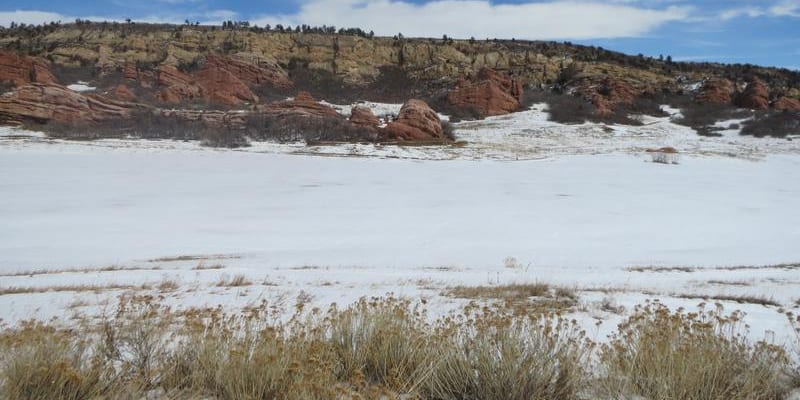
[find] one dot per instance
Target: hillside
(153, 80)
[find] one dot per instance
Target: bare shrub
(39, 362)
(492, 357)
(778, 125)
(657, 354)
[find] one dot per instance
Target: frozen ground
(116, 216)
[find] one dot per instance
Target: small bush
(657, 354)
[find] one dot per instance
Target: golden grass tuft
(237, 280)
(658, 354)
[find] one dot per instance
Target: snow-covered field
(579, 206)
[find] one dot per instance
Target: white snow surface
(81, 86)
(575, 205)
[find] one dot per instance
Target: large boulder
(416, 122)
(715, 91)
(786, 104)
(45, 103)
(21, 70)
(488, 93)
(754, 97)
(363, 116)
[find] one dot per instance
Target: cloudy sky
(734, 31)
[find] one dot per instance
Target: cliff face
(163, 67)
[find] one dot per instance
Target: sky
(764, 32)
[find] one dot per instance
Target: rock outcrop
(21, 70)
(55, 103)
(786, 104)
(303, 105)
(489, 93)
(416, 122)
(178, 86)
(122, 93)
(755, 96)
(715, 91)
(363, 116)
(221, 79)
(610, 94)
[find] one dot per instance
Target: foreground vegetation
(388, 348)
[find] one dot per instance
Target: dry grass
(728, 283)
(197, 257)
(201, 266)
(741, 299)
(110, 268)
(65, 288)
(660, 269)
(168, 285)
(237, 280)
(662, 355)
(785, 266)
(502, 292)
(385, 348)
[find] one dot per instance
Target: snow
(80, 86)
(576, 205)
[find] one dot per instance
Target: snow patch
(81, 86)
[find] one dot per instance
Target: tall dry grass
(663, 355)
(385, 348)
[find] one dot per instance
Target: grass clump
(492, 355)
(657, 354)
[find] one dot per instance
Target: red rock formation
(221, 86)
(363, 116)
(130, 72)
(178, 85)
(122, 93)
(251, 72)
(416, 121)
(754, 97)
(612, 93)
(715, 91)
(302, 105)
(21, 70)
(787, 104)
(43, 103)
(489, 93)
(221, 79)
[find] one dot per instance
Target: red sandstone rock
(416, 121)
(44, 103)
(122, 93)
(489, 93)
(715, 91)
(363, 116)
(21, 70)
(221, 86)
(302, 105)
(787, 104)
(754, 97)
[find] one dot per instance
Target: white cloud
(29, 17)
(212, 17)
(789, 8)
(481, 18)
(786, 8)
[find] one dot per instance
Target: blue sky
(765, 32)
